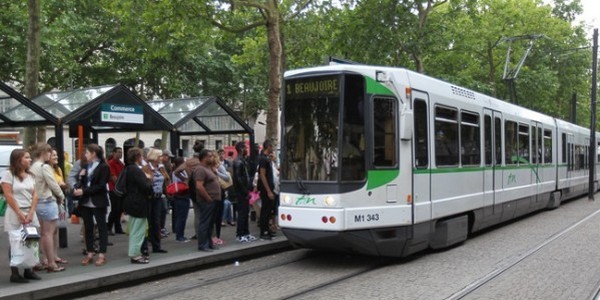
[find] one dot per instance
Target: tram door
(421, 157)
(536, 157)
(492, 172)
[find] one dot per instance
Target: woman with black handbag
(138, 194)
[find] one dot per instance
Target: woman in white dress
(22, 200)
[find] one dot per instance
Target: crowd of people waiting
(140, 187)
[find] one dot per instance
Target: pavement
(118, 270)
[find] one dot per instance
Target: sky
(591, 13)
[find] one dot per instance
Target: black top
(241, 177)
(97, 189)
(139, 190)
(264, 162)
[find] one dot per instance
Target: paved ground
(118, 269)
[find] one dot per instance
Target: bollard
(62, 237)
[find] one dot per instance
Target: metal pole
(593, 145)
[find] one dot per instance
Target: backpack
(121, 184)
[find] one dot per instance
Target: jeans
(116, 209)
(181, 209)
(227, 211)
(154, 210)
(243, 211)
(207, 221)
(266, 211)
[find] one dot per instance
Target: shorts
(47, 210)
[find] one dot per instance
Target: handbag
(30, 232)
(253, 196)
(177, 188)
(224, 183)
(23, 253)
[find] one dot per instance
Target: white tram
(385, 161)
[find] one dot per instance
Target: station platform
(118, 268)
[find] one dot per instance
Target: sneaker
(164, 233)
(251, 238)
(266, 236)
(184, 240)
(242, 239)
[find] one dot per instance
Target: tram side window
(498, 140)
(570, 156)
(564, 148)
(547, 146)
(487, 139)
(353, 150)
(510, 142)
(446, 136)
(421, 139)
(470, 139)
(536, 155)
(384, 132)
(524, 153)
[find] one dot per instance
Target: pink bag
(253, 197)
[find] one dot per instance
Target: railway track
(511, 263)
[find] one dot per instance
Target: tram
(388, 162)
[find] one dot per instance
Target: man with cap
(242, 183)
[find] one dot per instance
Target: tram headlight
(287, 200)
(329, 201)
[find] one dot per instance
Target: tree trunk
(274, 41)
(492, 69)
(33, 62)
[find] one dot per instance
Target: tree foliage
(177, 48)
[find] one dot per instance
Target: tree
(472, 51)
(270, 14)
(33, 65)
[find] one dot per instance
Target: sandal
(139, 260)
(55, 269)
(61, 261)
(87, 260)
(40, 267)
(100, 261)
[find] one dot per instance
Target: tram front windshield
(313, 135)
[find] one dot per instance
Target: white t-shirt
(22, 190)
(22, 193)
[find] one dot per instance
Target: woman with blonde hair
(160, 176)
(60, 179)
(50, 197)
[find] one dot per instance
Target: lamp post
(592, 157)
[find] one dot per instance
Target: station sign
(122, 113)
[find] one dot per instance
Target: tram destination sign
(322, 86)
(121, 113)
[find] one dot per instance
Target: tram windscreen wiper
(299, 182)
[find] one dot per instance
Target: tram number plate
(366, 218)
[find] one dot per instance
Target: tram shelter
(204, 115)
(89, 111)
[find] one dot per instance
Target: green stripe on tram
(376, 88)
(476, 169)
(377, 178)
